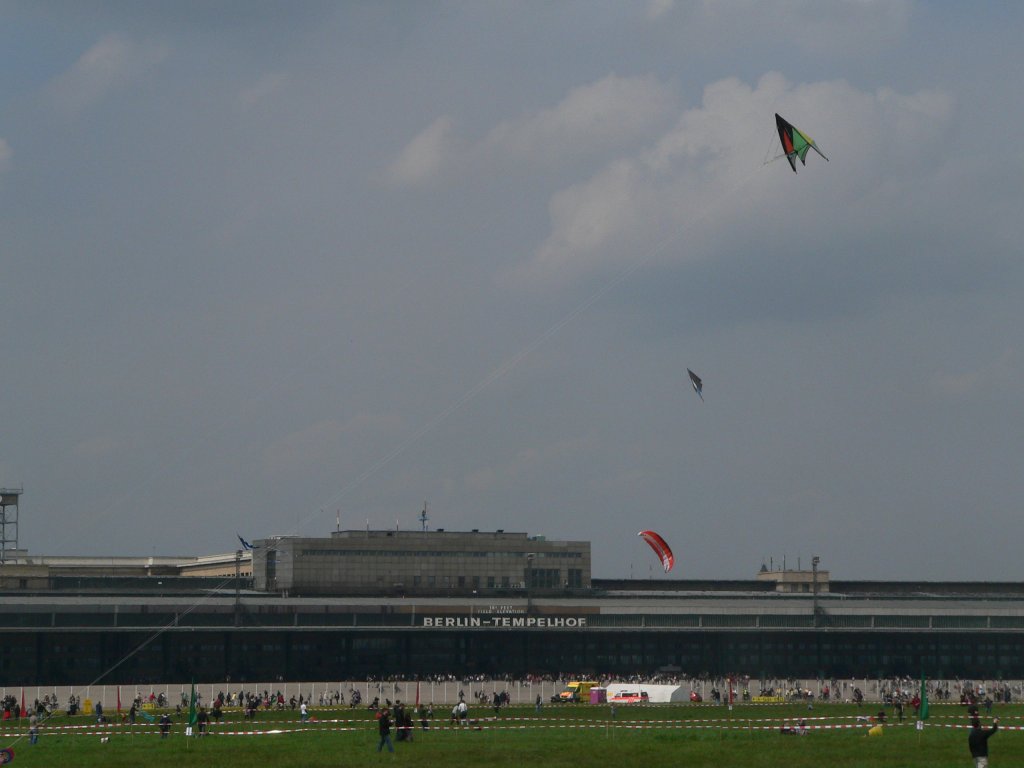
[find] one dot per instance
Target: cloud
(639, 205)
(844, 28)
(112, 63)
(262, 89)
(657, 9)
(96, 448)
(534, 462)
(424, 156)
(611, 112)
(318, 445)
(970, 381)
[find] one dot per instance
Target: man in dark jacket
(977, 740)
(384, 725)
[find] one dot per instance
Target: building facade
(362, 604)
(420, 563)
(140, 632)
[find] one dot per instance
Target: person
(384, 726)
(406, 724)
(977, 741)
(463, 712)
(202, 718)
(33, 729)
(538, 705)
(303, 712)
(165, 725)
(399, 711)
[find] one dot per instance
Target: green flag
(192, 707)
(923, 711)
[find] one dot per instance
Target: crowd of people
(510, 689)
(903, 695)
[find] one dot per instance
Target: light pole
(528, 579)
(814, 577)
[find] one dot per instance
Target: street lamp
(528, 579)
(814, 577)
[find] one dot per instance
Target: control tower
(9, 499)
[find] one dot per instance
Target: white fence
(449, 692)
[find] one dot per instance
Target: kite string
(499, 372)
(106, 507)
(138, 648)
(506, 366)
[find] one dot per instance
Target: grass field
(569, 735)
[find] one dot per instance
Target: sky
(266, 267)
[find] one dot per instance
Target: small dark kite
(698, 385)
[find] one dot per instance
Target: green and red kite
(795, 143)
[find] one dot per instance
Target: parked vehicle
(630, 697)
(575, 692)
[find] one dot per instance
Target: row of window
(430, 553)
(540, 579)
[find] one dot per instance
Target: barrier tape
(476, 726)
(439, 724)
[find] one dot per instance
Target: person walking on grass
(977, 741)
(384, 725)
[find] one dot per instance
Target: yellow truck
(576, 691)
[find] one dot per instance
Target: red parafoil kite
(660, 547)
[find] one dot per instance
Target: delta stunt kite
(698, 385)
(795, 143)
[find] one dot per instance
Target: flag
(417, 694)
(119, 699)
(922, 713)
(192, 709)
(245, 544)
(24, 712)
(146, 716)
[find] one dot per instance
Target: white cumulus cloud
(626, 210)
(112, 63)
(424, 156)
(611, 112)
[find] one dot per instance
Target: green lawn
(567, 735)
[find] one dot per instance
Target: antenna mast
(424, 517)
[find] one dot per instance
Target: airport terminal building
(361, 604)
